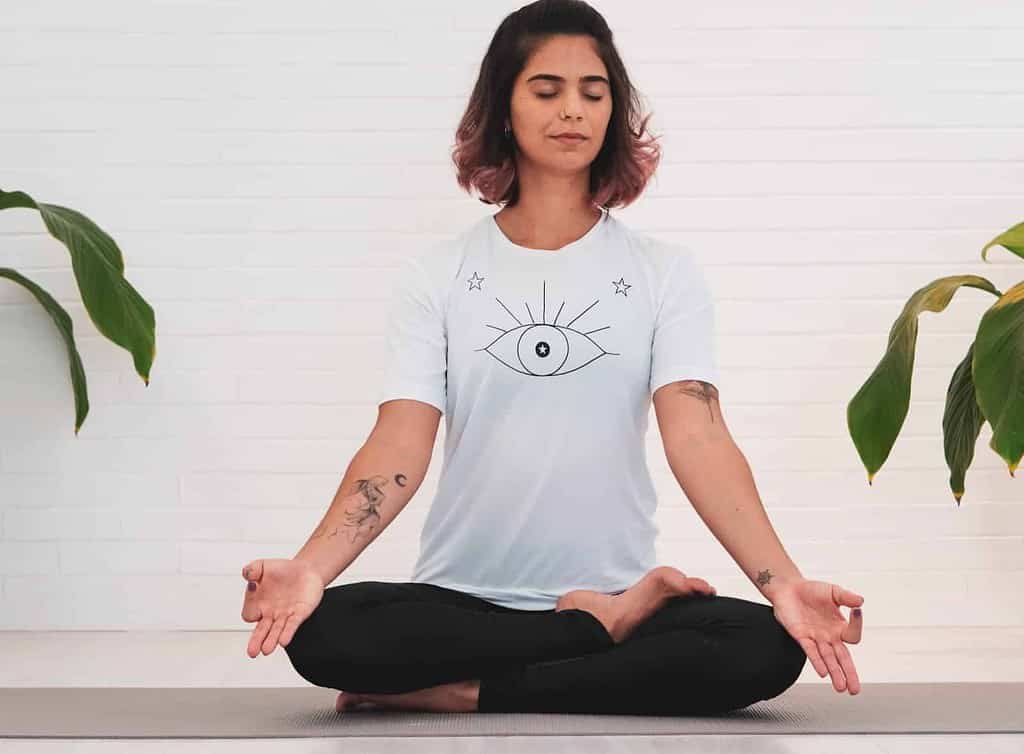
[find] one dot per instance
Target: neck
(552, 210)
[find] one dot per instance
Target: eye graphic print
(542, 349)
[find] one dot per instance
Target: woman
(536, 587)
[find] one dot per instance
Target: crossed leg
(695, 654)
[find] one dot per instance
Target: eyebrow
(561, 80)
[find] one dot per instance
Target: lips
(569, 138)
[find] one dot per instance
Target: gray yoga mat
(141, 712)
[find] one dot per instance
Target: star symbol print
(474, 282)
(625, 286)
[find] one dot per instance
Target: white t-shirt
(544, 364)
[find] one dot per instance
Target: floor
(218, 658)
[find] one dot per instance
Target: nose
(572, 106)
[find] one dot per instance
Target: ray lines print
(542, 349)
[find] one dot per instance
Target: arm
(380, 480)
(716, 478)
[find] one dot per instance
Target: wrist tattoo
(763, 577)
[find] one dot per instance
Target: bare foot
(621, 613)
(460, 696)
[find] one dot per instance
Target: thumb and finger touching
(253, 571)
(253, 608)
(853, 630)
(280, 605)
(821, 652)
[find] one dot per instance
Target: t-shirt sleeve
(416, 345)
(683, 346)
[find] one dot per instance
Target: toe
(346, 700)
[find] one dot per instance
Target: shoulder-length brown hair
(484, 155)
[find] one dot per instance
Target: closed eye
(588, 96)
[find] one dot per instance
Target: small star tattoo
(474, 282)
(763, 577)
(625, 287)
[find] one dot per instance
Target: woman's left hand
(809, 611)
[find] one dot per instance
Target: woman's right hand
(281, 593)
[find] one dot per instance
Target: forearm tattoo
(763, 577)
(365, 516)
(702, 391)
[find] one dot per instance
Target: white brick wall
(265, 167)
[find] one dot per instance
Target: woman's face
(563, 76)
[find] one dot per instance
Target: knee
(307, 652)
(320, 650)
(334, 654)
(785, 660)
(327, 666)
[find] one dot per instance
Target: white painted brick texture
(265, 169)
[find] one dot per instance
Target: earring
(508, 131)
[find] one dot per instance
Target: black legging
(697, 654)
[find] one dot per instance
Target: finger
(253, 571)
(852, 632)
(298, 615)
(291, 625)
(702, 584)
(250, 610)
(275, 631)
(843, 596)
(838, 677)
(258, 635)
(811, 650)
(846, 661)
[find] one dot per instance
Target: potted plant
(986, 386)
(115, 307)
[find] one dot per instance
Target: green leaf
(999, 374)
(1011, 240)
(115, 307)
(63, 321)
(876, 413)
(961, 423)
